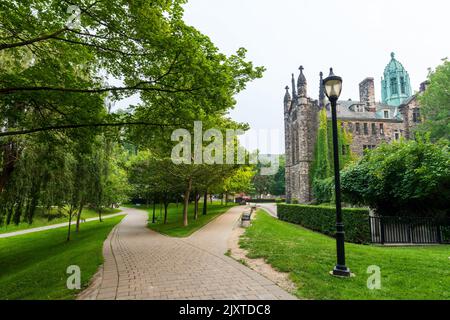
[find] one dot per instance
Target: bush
(324, 190)
(406, 178)
(323, 219)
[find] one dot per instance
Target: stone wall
(385, 131)
(301, 126)
(410, 121)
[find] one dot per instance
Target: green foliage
(273, 184)
(324, 190)
(405, 178)
(323, 165)
(56, 77)
(323, 220)
(435, 104)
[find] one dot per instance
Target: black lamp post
(333, 89)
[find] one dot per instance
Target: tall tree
(435, 104)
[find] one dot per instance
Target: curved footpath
(142, 264)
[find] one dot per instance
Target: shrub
(324, 190)
(323, 219)
(406, 178)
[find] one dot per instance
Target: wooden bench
(246, 218)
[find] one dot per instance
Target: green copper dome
(395, 84)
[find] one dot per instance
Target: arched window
(394, 86)
(402, 85)
(416, 115)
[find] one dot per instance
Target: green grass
(411, 273)
(40, 221)
(174, 226)
(33, 266)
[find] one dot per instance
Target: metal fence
(409, 230)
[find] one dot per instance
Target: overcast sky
(355, 37)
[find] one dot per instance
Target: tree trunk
(221, 199)
(196, 205)
(154, 211)
(80, 210)
(70, 224)
(205, 203)
(187, 193)
(10, 158)
(211, 198)
(166, 206)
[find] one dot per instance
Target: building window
(402, 85)
(350, 127)
(386, 114)
(374, 129)
(416, 115)
(358, 128)
(382, 129)
(366, 129)
(394, 86)
(369, 147)
(397, 135)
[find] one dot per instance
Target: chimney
(367, 94)
(424, 86)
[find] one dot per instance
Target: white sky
(355, 37)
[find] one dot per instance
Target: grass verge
(33, 266)
(407, 273)
(40, 221)
(174, 226)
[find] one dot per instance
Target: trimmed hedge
(262, 200)
(323, 219)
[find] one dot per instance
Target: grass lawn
(33, 266)
(406, 273)
(40, 221)
(174, 226)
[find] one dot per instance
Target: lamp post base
(341, 272)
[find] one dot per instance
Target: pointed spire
(294, 91)
(301, 77)
(302, 85)
(321, 92)
(287, 96)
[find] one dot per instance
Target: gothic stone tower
(301, 121)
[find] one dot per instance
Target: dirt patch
(258, 265)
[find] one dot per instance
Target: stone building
(369, 122)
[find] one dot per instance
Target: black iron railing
(409, 230)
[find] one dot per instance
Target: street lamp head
(333, 86)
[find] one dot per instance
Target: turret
(322, 102)
(287, 100)
(302, 84)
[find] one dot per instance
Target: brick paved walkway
(142, 264)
